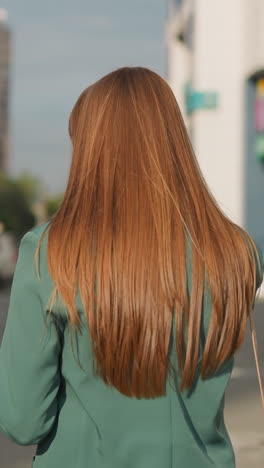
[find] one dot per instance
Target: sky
(58, 49)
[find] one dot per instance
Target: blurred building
(4, 88)
(215, 65)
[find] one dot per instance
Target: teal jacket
(76, 420)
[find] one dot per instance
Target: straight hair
(135, 199)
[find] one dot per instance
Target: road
(244, 415)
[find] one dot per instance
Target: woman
(120, 338)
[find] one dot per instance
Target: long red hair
(135, 200)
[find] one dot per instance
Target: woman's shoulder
(40, 228)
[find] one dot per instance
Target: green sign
(199, 100)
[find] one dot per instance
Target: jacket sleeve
(29, 356)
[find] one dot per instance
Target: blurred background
(212, 55)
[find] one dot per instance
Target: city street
(244, 415)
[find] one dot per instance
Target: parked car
(8, 256)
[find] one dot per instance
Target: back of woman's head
(140, 224)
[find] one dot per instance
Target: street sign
(199, 99)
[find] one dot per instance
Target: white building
(217, 47)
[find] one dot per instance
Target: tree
(15, 208)
(53, 203)
(31, 186)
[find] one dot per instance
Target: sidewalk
(245, 424)
(244, 414)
